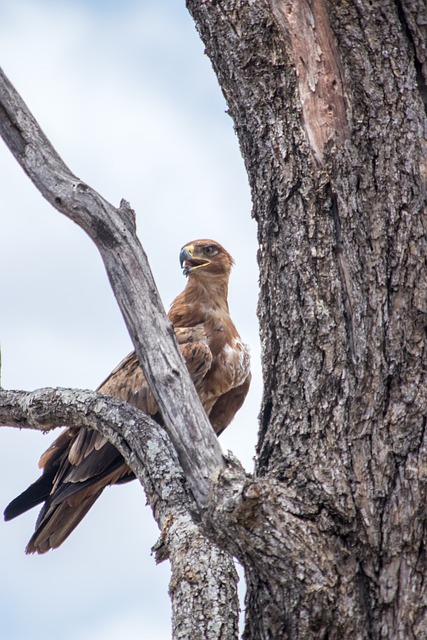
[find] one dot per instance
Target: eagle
(80, 463)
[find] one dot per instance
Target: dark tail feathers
(36, 493)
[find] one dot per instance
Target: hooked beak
(189, 263)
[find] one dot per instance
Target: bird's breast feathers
(235, 360)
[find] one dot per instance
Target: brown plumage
(81, 463)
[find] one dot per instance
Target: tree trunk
(327, 101)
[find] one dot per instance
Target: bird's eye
(210, 250)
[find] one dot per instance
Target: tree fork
(331, 528)
(148, 451)
(113, 232)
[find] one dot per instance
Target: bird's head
(205, 258)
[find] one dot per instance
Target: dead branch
(145, 446)
(114, 233)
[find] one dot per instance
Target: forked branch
(113, 231)
(148, 452)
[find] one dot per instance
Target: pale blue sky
(127, 96)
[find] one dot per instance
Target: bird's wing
(128, 383)
(77, 478)
(227, 405)
(81, 463)
(87, 453)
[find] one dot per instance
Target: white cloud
(125, 94)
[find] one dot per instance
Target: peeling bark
(341, 213)
(316, 61)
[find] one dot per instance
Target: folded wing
(81, 463)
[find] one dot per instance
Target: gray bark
(114, 233)
(327, 100)
(203, 584)
(195, 602)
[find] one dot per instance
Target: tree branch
(113, 231)
(146, 448)
(124, 426)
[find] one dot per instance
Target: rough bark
(203, 584)
(327, 101)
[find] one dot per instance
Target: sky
(126, 95)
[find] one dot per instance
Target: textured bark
(203, 585)
(327, 101)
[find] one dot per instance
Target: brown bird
(81, 463)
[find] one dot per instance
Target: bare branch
(243, 511)
(113, 231)
(135, 435)
(145, 446)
